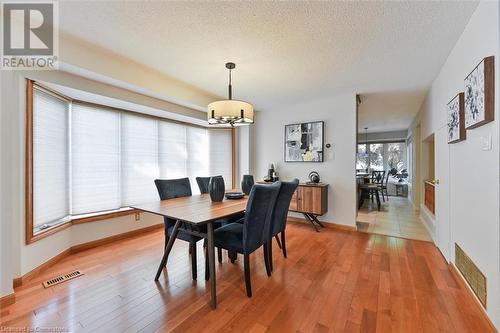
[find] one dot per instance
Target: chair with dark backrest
(378, 178)
(203, 184)
(177, 188)
(255, 231)
(383, 187)
(278, 224)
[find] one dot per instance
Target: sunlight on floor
(397, 217)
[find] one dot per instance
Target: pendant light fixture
(230, 111)
(366, 142)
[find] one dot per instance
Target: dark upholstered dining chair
(203, 184)
(255, 231)
(278, 223)
(176, 188)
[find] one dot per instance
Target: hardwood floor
(332, 281)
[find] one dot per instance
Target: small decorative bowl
(234, 195)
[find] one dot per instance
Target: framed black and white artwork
(456, 121)
(479, 94)
(304, 142)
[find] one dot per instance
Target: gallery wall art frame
(299, 138)
(456, 118)
(480, 94)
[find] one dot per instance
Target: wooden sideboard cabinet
(312, 201)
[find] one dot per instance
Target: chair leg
(219, 254)
(194, 261)
(265, 247)
(232, 256)
(248, 283)
(283, 243)
(277, 240)
(270, 255)
(378, 200)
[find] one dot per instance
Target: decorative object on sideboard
(313, 177)
(272, 174)
(216, 188)
(456, 121)
(304, 142)
(480, 94)
(247, 183)
(230, 111)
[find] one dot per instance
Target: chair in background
(254, 232)
(203, 184)
(383, 187)
(378, 179)
(177, 188)
(278, 223)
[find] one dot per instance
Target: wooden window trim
(31, 237)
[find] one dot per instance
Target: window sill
(79, 220)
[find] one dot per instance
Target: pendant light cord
(230, 86)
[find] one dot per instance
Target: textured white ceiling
(388, 111)
(286, 52)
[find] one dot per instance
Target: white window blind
(139, 159)
(220, 155)
(50, 158)
(172, 153)
(89, 158)
(95, 165)
(197, 155)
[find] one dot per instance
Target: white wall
(338, 169)
(5, 227)
(474, 173)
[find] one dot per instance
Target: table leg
(315, 218)
(308, 218)
(170, 243)
(211, 264)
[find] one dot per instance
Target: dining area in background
(235, 221)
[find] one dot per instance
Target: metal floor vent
(474, 277)
(61, 278)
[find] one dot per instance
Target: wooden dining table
(195, 211)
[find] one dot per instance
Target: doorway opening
(387, 172)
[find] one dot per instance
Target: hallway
(397, 217)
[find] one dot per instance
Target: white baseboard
(428, 221)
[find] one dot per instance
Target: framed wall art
(480, 94)
(456, 121)
(304, 142)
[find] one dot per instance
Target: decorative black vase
(216, 188)
(247, 183)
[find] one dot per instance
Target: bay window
(90, 159)
(381, 156)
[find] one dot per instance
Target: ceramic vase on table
(247, 183)
(216, 188)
